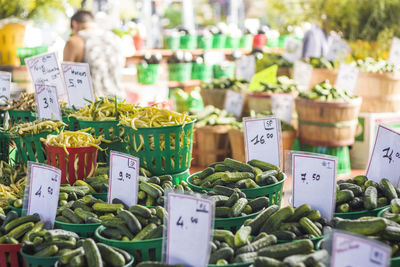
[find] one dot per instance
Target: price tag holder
(214, 57)
(234, 102)
(189, 230)
(124, 176)
(47, 102)
(394, 55)
(316, 173)
(282, 106)
(78, 83)
(246, 67)
(293, 49)
(302, 74)
(5, 84)
(385, 157)
(338, 50)
(347, 78)
(358, 251)
(262, 139)
(44, 69)
(41, 192)
(267, 76)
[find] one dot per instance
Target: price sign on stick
(282, 106)
(347, 78)
(189, 230)
(357, 251)
(5, 83)
(78, 83)
(293, 49)
(234, 102)
(246, 67)
(315, 173)
(124, 174)
(394, 55)
(385, 157)
(302, 74)
(338, 49)
(262, 139)
(47, 102)
(44, 187)
(44, 69)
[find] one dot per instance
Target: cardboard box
(361, 150)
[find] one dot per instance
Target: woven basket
(285, 71)
(380, 92)
(213, 97)
(324, 123)
(320, 75)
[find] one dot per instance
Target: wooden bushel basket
(216, 98)
(320, 75)
(324, 123)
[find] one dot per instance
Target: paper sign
(44, 188)
(394, 55)
(302, 74)
(44, 70)
(385, 158)
(282, 106)
(293, 49)
(124, 174)
(214, 57)
(47, 102)
(338, 50)
(358, 251)
(267, 76)
(78, 83)
(262, 139)
(314, 173)
(245, 67)
(5, 84)
(189, 230)
(347, 78)
(234, 102)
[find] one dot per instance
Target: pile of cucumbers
(233, 202)
(137, 223)
(211, 115)
(15, 229)
(89, 253)
(227, 83)
(235, 174)
(262, 250)
(324, 91)
(361, 194)
(96, 184)
(284, 85)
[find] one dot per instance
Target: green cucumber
(281, 251)
(92, 253)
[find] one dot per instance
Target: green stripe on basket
(341, 124)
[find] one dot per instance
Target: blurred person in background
(316, 39)
(101, 49)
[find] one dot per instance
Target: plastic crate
(25, 52)
(83, 230)
(9, 255)
(21, 116)
(30, 148)
(148, 74)
(180, 72)
(233, 224)
(34, 261)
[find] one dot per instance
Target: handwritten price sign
(47, 102)
(394, 56)
(347, 78)
(246, 67)
(385, 158)
(189, 229)
(314, 173)
(302, 74)
(293, 49)
(124, 173)
(282, 106)
(5, 83)
(234, 102)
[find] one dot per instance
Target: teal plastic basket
(202, 72)
(21, 116)
(358, 214)
(204, 42)
(218, 41)
(226, 70)
(232, 42)
(246, 41)
(83, 230)
(4, 146)
(30, 148)
(171, 42)
(148, 74)
(188, 42)
(233, 224)
(179, 72)
(34, 261)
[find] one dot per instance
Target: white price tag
(234, 102)
(302, 74)
(282, 106)
(44, 69)
(358, 251)
(262, 139)
(315, 173)
(47, 102)
(214, 57)
(78, 83)
(44, 188)
(385, 157)
(338, 50)
(5, 84)
(347, 78)
(293, 49)
(246, 67)
(189, 230)
(394, 55)
(124, 175)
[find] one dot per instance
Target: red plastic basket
(9, 255)
(87, 160)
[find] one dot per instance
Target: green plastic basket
(358, 214)
(17, 210)
(180, 72)
(168, 159)
(148, 74)
(30, 148)
(232, 42)
(144, 250)
(224, 70)
(102, 196)
(83, 230)
(233, 224)
(4, 146)
(129, 264)
(204, 42)
(395, 262)
(72, 123)
(241, 264)
(182, 176)
(2, 117)
(21, 116)
(188, 41)
(202, 72)
(273, 191)
(246, 41)
(171, 42)
(24, 52)
(34, 261)
(316, 241)
(218, 41)
(110, 131)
